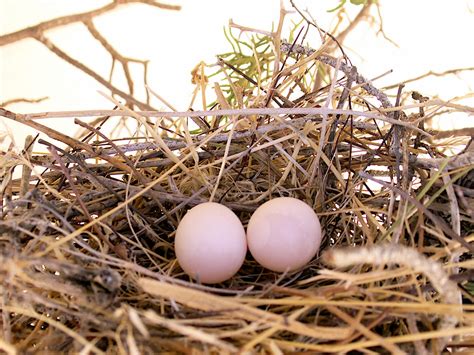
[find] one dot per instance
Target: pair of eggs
(283, 234)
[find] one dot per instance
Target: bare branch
(15, 101)
(34, 31)
(63, 138)
(455, 71)
(116, 56)
(326, 59)
(53, 48)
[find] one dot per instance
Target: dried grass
(87, 262)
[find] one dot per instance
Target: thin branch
(73, 143)
(158, 195)
(347, 69)
(26, 169)
(116, 56)
(439, 223)
(342, 100)
(72, 184)
(363, 13)
(20, 100)
(312, 23)
(465, 131)
(396, 138)
(174, 144)
(36, 30)
(315, 111)
(454, 162)
(381, 30)
(53, 48)
(431, 73)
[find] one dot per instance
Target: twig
(63, 55)
(396, 137)
(419, 346)
(312, 23)
(143, 180)
(73, 143)
(365, 331)
(174, 144)
(38, 32)
(381, 30)
(397, 254)
(74, 188)
(15, 101)
(326, 59)
(431, 73)
(457, 161)
(249, 111)
(33, 31)
(116, 56)
(276, 93)
(26, 173)
(440, 224)
(317, 168)
(340, 105)
(364, 12)
(228, 112)
(440, 134)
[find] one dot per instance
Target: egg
(284, 234)
(210, 243)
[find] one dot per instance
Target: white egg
(210, 243)
(284, 234)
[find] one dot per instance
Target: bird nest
(86, 234)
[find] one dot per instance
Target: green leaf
(341, 4)
(358, 2)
